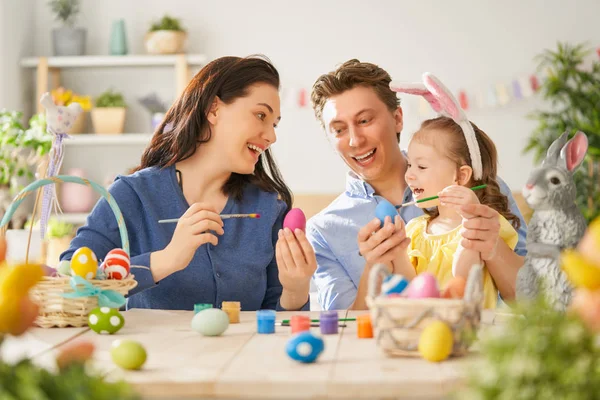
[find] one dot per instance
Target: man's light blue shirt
(333, 234)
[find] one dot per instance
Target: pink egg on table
(423, 286)
(116, 264)
(295, 219)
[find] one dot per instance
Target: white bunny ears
(443, 102)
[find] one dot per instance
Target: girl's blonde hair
(456, 149)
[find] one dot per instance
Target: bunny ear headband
(443, 102)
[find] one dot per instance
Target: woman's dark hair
(185, 125)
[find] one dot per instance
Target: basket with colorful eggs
(419, 319)
(67, 295)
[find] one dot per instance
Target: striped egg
(116, 264)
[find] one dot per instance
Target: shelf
(114, 61)
(71, 218)
(85, 139)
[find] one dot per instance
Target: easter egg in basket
(423, 286)
(116, 265)
(295, 219)
(84, 263)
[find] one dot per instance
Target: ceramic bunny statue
(59, 120)
(556, 223)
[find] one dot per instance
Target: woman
(210, 156)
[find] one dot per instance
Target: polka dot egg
(116, 264)
(105, 320)
(84, 263)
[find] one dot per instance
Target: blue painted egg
(304, 347)
(385, 208)
(393, 284)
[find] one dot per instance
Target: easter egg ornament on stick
(59, 121)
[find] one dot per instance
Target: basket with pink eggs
(419, 318)
(66, 296)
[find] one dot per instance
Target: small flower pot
(108, 120)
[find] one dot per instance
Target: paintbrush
(223, 216)
(287, 321)
(433, 198)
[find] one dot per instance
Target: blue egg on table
(383, 209)
(305, 347)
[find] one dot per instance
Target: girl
(210, 156)
(440, 163)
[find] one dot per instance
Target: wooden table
(244, 364)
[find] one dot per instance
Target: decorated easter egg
(128, 354)
(210, 322)
(105, 320)
(84, 263)
(423, 286)
(454, 288)
(304, 347)
(393, 284)
(64, 267)
(116, 264)
(436, 342)
(384, 209)
(295, 219)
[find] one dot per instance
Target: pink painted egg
(295, 219)
(423, 286)
(116, 264)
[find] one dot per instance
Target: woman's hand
(296, 261)
(197, 226)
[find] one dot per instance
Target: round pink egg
(116, 264)
(295, 219)
(423, 286)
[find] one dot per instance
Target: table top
(244, 364)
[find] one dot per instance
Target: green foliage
(573, 91)
(543, 354)
(58, 229)
(110, 98)
(65, 10)
(21, 148)
(167, 23)
(25, 381)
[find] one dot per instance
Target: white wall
(465, 43)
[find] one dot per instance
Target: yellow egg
(436, 342)
(579, 270)
(84, 263)
(589, 246)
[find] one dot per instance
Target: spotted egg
(384, 209)
(116, 264)
(295, 219)
(105, 320)
(84, 263)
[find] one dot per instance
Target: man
(362, 117)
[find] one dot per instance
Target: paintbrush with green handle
(433, 198)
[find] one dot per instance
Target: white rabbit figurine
(556, 223)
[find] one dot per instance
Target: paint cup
(365, 328)
(232, 308)
(300, 323)
(265, 321)
(329, 322)
(201, 306)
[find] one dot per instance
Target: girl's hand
(457, 196)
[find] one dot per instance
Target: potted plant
(108, 115)
(59, 236)
(166, 36)
(573, 91)
(20, 150)
(64, 97)
(67, 40)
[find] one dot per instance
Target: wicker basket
(398, 322)
(56, 310)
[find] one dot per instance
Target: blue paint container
(265, 321)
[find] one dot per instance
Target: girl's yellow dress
(434, 253)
